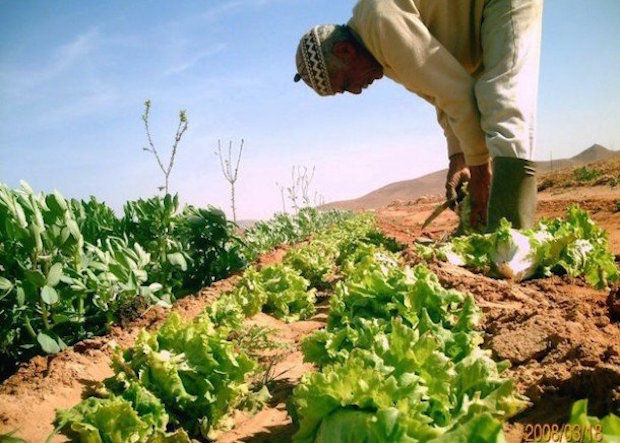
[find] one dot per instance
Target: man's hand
(457, 174)
(479, 193)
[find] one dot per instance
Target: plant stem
(29, 328)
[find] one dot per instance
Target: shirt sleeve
(421, 64)
(454, 147)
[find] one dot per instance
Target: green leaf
(21, 296)
(20, 215)
(609, 425)
(5, 285)
(573, 245)
(36, 231)
(107, 420)
(48, 344)
(35, 277)
(177, 259)
(26, 187)
(481, 429)
(60, 200)
(60, 318)
(155, 287)
(74, 229)
(54, 274)
(49, 295)
(10, 438)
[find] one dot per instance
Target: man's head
(331, 60)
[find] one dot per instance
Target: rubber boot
(513, 193)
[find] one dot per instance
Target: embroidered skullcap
(311, 65)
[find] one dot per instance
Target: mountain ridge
(434, 182)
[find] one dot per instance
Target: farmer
(476, 61)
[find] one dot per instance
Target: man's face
(355, 70)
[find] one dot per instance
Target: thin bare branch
(231, 175)
(181, 129)
(145, 119)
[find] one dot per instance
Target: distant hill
(594, 153)
(433, 184)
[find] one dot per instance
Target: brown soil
(558, 334)
(273, 423)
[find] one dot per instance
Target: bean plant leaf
(54, 274)
(5, 285)
(48, 344)
(49, 295)
(35, 277)
(177, 259)
(21, 296)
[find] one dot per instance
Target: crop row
(400, 358)
(400, 361)
(187, 377)
(69, 269)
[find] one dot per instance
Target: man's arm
(454, 147)
(457, 169)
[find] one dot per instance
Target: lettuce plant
(575, 246)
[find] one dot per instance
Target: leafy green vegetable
(11, 438)
(72, 268)
(96, 220)
(57, 288)
(400, 361)
(594, 429)
(573, 245)
(192, 368)
(288, 296)
(135, 416)
(287, 229)
(314, 262)
(277, 289)
(210, 240)
(352, 401)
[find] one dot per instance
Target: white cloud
(231, 6)
(192, 60)
(19, 81)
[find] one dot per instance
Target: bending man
(476, 61)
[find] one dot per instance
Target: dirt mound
(556, 333)
(606, 172)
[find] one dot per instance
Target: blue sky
(74, 75)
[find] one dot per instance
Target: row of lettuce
(573, 246)
(69, 269)
(398, 361)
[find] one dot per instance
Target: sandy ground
(556, 332)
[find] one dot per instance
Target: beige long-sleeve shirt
(432, 48)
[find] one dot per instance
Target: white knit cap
(311, 64)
